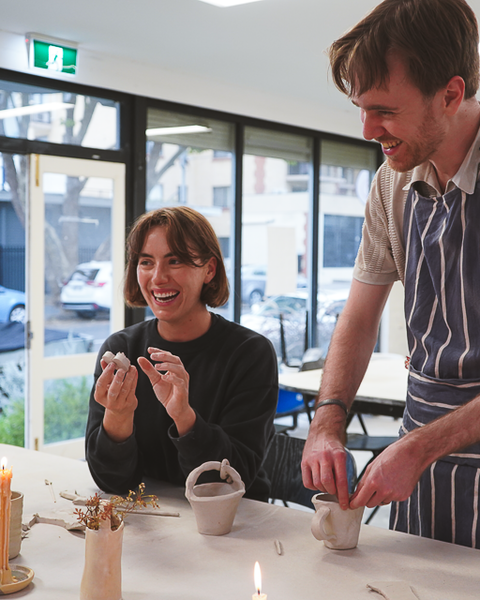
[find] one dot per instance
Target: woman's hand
(170, 382)
(115, 391)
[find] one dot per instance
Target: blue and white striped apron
(442, 309)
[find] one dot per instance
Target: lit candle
(5, 503)
(257, 576)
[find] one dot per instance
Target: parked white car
(89, 289)
(12, 306)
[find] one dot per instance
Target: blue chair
(291, 404)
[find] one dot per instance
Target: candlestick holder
(16, 579)
(13, 578)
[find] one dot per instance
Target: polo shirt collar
(465, 178)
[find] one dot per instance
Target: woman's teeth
(165, 297)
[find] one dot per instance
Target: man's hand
(324, 457)
(392, 476)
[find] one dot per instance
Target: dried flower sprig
(115, 508)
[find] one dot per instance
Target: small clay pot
(16, 513)
(215, 504)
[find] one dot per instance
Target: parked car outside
(265, 319)
(88, 292)
(254, 278)
(12, 305)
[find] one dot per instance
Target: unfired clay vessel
(102, 574)
(339, 529)
(215, 504)
(16, 512)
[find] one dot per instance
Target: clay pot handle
(226, 472)
(318, 524)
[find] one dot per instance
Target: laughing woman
(206, 388)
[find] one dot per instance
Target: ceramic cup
(16, 513)
(339, 529)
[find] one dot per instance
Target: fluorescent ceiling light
(175, 130)
(33, 109)
(227, 3)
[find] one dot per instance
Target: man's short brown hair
(437, 39)
(192, 240)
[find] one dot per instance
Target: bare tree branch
(154, 175)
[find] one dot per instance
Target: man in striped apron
(412, 68)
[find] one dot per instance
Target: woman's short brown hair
(190, 237)
(437, 39)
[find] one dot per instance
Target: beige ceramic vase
(102, 574)
(215, 504)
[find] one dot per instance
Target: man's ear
(453, 94)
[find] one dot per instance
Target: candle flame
(4, 463)
(257, 575)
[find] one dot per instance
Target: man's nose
(372, 126)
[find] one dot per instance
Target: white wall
(143, 79)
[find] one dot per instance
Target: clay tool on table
(49, 483)
(393, 590)
(278, 547)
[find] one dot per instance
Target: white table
(382, 391)
(166, 558)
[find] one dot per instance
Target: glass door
(13, 192)
(76, 247)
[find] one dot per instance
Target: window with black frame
(346, 172)
(275, 228)
(190, 162)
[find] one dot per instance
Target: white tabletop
(385, 381)
(165, 557)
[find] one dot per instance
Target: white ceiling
(276, 47)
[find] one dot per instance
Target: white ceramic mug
(339, 529)
(16, 513)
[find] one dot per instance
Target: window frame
(132, 152)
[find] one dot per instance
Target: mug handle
(318, 525)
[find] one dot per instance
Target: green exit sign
(52, 55)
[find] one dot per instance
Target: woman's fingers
(116, 388)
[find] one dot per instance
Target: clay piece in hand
(120, 360)
(108, 357)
